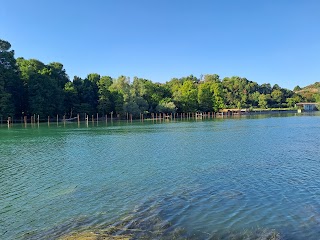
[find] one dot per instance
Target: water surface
(238, 178)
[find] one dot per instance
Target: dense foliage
(30, 87)
(311, 93)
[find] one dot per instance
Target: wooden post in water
(106, 118)
(78, 117)
(127, 116)
(25, 121)
(9, 121)
(97, 118)
(131, 117)
(92, 119)
(57, 119)
(111, 116)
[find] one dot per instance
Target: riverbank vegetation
(30, 87)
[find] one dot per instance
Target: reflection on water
(243, 178)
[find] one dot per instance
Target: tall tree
(205, 96)
(105, 103)
(11, 88)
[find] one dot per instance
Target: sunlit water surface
(248, 177)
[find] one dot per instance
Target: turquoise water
(240, 178)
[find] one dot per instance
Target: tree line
(30, 87)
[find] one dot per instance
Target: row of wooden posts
(95, 118)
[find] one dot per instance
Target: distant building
(307, 106)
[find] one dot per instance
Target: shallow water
(240, 178)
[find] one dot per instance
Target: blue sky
(270, 41)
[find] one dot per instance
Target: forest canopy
(28, 86)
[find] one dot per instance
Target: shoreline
(225, 113)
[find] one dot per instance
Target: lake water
(236, 178)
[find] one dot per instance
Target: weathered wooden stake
(78, 117)
(97, 117)
(131, 117)
(57, 119)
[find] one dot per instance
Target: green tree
(263, 101)
(277, 96)
(4, 46)
(189, 96)
(105, 104)
(218, 96)
(297, 88)
(205, 96)
(11, 87)
(71, 100)
(211, 78)
(166, 105)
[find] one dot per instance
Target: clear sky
(267, 41)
